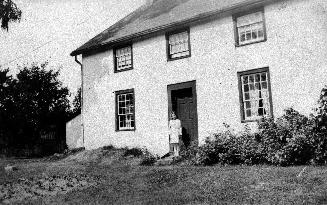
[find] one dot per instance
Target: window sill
(118, 71)
(172, 59)
(126, 130)
(246, 44)
(245, 121)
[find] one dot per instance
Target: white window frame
(250, 26)
(255, 94)
(125, 110)
(123, 58)
(178, 44)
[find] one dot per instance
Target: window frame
(117, 93)
(240, 14)
(240, 88)
(115, 59)
(169, 58)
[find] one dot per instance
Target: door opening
(182, 100)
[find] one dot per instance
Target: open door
(182, 100)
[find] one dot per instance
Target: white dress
(175, 129)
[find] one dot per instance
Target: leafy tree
(77, 102)
(9, 12)
(36, 101)
(5, 104)
(321, 110)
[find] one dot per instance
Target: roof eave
(195, 19)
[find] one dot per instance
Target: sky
(51, 29)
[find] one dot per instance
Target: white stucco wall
(74, 137)
(295, 52)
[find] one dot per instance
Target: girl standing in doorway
(175, 130)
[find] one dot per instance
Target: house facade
(212, 62)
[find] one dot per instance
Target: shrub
(221, 148)
(148, 159)
(292, 139)
(136, 152)
(288, 140)
(189, 154)
(319, 141)
(108, 147)
(297, 151)
(252, 149)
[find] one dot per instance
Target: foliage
(77, 102)
(321, 109)
(148, 158)
(9, 12)
(292, 139)
(136, 152)
(108, 147)
(34, 102)
(190, 153)
(288, 140)
(219, 149)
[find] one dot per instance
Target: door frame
(179, 86)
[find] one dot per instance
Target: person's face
(173, 116)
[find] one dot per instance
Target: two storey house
(210, 61)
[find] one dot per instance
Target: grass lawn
(121, 181)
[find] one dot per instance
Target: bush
(189, 154)
(292, 139)
(148, 159)
(108, 147)
(288, 140)
(319, 141)
(136, 152)
(220, 148)
(252, 149)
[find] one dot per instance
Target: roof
(159, 16)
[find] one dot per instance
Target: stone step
(166, 161)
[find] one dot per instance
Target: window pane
(264, 85)
(125, 111)
(251, 77)
(247, 104)
(247, 96)
(257, 86)
(257, 78)
(255, 95)
(248, 113)
(248, 35)
(250, 28)
(245, 79)
(178, 45)
(260, 33)
(123, 57)
(254, 35)
(246, 88)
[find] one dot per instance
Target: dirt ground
(106, 177)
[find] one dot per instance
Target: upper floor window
(123, 58)
(249, 28)
(125, 113)
(178, 45)
(255, 94)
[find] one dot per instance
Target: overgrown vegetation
(292, 139)
(148, 158)
(135, 152)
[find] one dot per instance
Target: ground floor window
(255, 94)
(125, 113)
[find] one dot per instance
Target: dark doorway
(182, 100)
